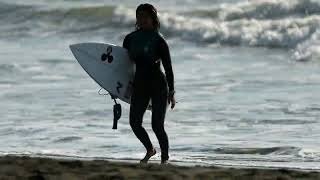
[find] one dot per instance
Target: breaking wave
(20, 20)
(289, 24)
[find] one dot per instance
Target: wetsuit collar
(148, 30)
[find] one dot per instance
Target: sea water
(246, 77)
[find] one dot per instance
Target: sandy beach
(39, 168)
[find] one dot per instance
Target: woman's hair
(152, 11)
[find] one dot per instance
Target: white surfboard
(109, 65)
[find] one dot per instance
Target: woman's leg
(159, 108)
(139, 104)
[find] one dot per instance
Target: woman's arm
(126, 43)
(167, 65)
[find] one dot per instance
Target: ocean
(246, 75)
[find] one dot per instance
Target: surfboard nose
(74, 47)
(82, 47)
(77, 48)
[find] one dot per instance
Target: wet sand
(39, 168)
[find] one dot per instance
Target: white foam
(275, 33)
(268, 9)
(310, 49)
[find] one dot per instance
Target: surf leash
(117, 111)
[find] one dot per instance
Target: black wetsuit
(147, 48)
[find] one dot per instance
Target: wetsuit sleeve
(126, 42)
(166, 62)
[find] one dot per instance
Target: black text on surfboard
(107, 56)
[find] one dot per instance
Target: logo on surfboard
(107, 56)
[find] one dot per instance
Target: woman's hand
(172, 100)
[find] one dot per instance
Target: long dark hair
(152, 11)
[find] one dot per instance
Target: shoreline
(157, 161)
(27, 167)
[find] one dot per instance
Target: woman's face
(144, 20)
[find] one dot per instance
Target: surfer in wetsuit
(147, 48)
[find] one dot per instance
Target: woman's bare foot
(163, 162)
(164, 159)
(148, 156)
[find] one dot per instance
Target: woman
(147, 48)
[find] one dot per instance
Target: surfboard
(109, 65)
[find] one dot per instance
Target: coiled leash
(116, 110)
(116, 113)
